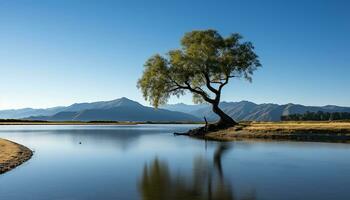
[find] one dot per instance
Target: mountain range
(124, 109)
(249, 111)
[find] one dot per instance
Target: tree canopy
(203, 65)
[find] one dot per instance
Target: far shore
(334, 131)
(66, 123)
(12, 155)
(295, 130)
(33, 122)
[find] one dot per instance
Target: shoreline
(328, 131)
(88, 123)
(12, 155)
(64, 123)
(294, 131)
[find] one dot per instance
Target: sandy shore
(303, 131)
(12, 155)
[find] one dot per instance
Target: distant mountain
(122, 109)
(27, 112)
(102, 104)
(245, 110)
(181, 107)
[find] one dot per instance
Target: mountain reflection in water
(206, 183)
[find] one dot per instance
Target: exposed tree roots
(201, 131)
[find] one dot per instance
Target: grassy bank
(12, 155)
(301, 130)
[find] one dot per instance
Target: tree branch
(216, 82)
(222, 79)
(174, 89)
(224, 83)
(197, 90)
(207, 80)
(202, 93)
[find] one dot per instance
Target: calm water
(148, 162)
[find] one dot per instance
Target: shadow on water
(206, 182)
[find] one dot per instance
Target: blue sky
(62, 52)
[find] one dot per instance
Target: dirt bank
(304, 131)
(12, 155)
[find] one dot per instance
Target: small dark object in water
(181, 133)
(79, 142)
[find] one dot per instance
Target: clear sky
(61, 52)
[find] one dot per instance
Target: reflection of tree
(222, 148)
(157, 182)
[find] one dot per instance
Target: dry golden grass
(313, 131)
(297, 126)
(12, 155)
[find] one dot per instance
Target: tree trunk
(225, 120)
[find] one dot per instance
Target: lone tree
(203, 66)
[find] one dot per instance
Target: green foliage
(317, 116)
(154, 82)
(203, 66)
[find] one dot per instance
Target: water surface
(148, 162)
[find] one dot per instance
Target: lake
(148, 162)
